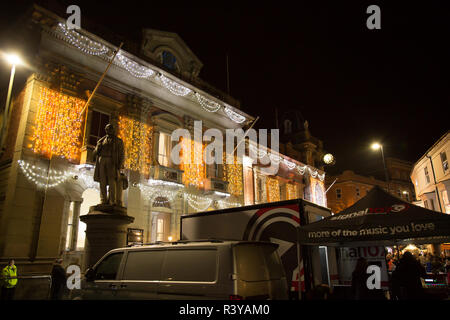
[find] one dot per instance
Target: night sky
(352, 84)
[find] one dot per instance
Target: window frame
(91, 135)
(427, 175)
(444, 162)
(119, 268)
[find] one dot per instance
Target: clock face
(328, 158)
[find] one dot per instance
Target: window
(165, 145)
(445, 201)
(425, 203)
(358, 194)
(190, 265)
(160, 229)
(169, 60)
(338, 193)
(427, 177)
(287, 126)
(444, 161)
(98, 123)
(70, 235)
(108, 268)
(432, 204)
(143, 265)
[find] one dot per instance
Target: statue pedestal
(106, 229)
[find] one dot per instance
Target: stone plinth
(106, 229)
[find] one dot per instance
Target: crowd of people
(407, 275)
(431, 262)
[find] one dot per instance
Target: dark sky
(352, 84)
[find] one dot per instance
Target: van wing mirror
(90, 275)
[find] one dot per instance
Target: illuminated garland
(289, 164)
(137, 70)
(198, 203)
(83, 43)
(208, 105)
(151, 193)
(138, 141)
(301, 169)
(236, 117)
(58, 125)
(259, 153)
(86, 45)
(34, 174)
(174, 87)
(224, 204)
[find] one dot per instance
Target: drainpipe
(435, 183)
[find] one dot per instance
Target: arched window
(169, 60)
(287, 126)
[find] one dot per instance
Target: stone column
(106, 229)
(75, 222)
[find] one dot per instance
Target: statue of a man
(109, 159)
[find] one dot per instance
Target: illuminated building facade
(47, 168)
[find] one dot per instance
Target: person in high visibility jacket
(9, 279)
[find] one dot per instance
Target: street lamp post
(376, 146)
(13, 60)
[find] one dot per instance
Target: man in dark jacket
(406, 278)
(59, 279)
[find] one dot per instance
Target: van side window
(190, 265)
(143, 265)
(108, 268)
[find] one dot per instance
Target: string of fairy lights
(260, 154)
(138, 70)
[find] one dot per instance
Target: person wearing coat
(407, 276)
(59, 280)
(109, 158)
(359, 280)
(9, 275)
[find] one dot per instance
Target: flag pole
(86, 105)
(246, 134)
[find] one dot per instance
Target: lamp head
(13, 59)
(375, 146)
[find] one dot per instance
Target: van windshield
(257, 262)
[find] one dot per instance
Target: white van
(188, 270)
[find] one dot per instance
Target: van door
(106, 282)
(141, 275)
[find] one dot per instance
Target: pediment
(168, 49)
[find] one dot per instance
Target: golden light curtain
(58, 125)
(232, 173)
(291, 191)
(138, 143)
(194, 173)
(273, 189)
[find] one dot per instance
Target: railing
(31, 287)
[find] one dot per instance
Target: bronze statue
(109, 159)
